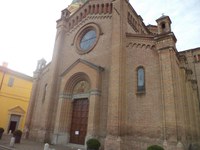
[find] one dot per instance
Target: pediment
(17, 109)
(84, 62)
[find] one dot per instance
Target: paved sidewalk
(31, 145)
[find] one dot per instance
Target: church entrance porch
(77, 115)
(79, 121)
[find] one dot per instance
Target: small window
(44, 94)
(163, 25)
(140, 79)
(11, 81)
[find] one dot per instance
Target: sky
(28, 27)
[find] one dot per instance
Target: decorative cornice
(165, 36)
(82, 95)
(65, 96)
(168, 48)
(89, 17)
(90, 10)
(140, 45)
(140, 40)
(69, 96)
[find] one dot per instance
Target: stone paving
(32, 145)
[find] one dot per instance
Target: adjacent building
(114, 78)
(15, 89)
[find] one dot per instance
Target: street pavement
(33, 145)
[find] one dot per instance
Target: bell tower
(164, 24)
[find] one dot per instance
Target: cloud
(28, 28)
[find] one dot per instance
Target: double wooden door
(79, 121)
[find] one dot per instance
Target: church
(117, 80)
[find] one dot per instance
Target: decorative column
(63, 120)
(168, 99)
(93, 115)
(54, 80)
(117, 97)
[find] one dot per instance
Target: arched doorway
(80, 109)
(79, 121)
(15, 119)
(14, 123)
(77, 115)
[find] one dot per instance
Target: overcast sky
(28, 27)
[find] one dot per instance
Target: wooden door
(79, 121)
(12, 126)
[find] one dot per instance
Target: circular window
(87, 40)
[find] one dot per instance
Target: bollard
(10, 132)
(46, 146)
(12, 142)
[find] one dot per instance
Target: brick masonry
(166, 113)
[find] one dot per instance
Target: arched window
(140, 79)
(163, 27)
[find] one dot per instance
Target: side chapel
(114, 78)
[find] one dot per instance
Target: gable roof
(98, 68)
(17, 110)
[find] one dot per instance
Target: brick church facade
(114, 78)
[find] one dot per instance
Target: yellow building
(15, 89)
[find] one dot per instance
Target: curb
(6, 148)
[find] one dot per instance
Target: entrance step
(76, 146)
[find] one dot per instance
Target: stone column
(117, 98)
(54, 80)
(93, 115)
(62, 123)
(168, 99)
